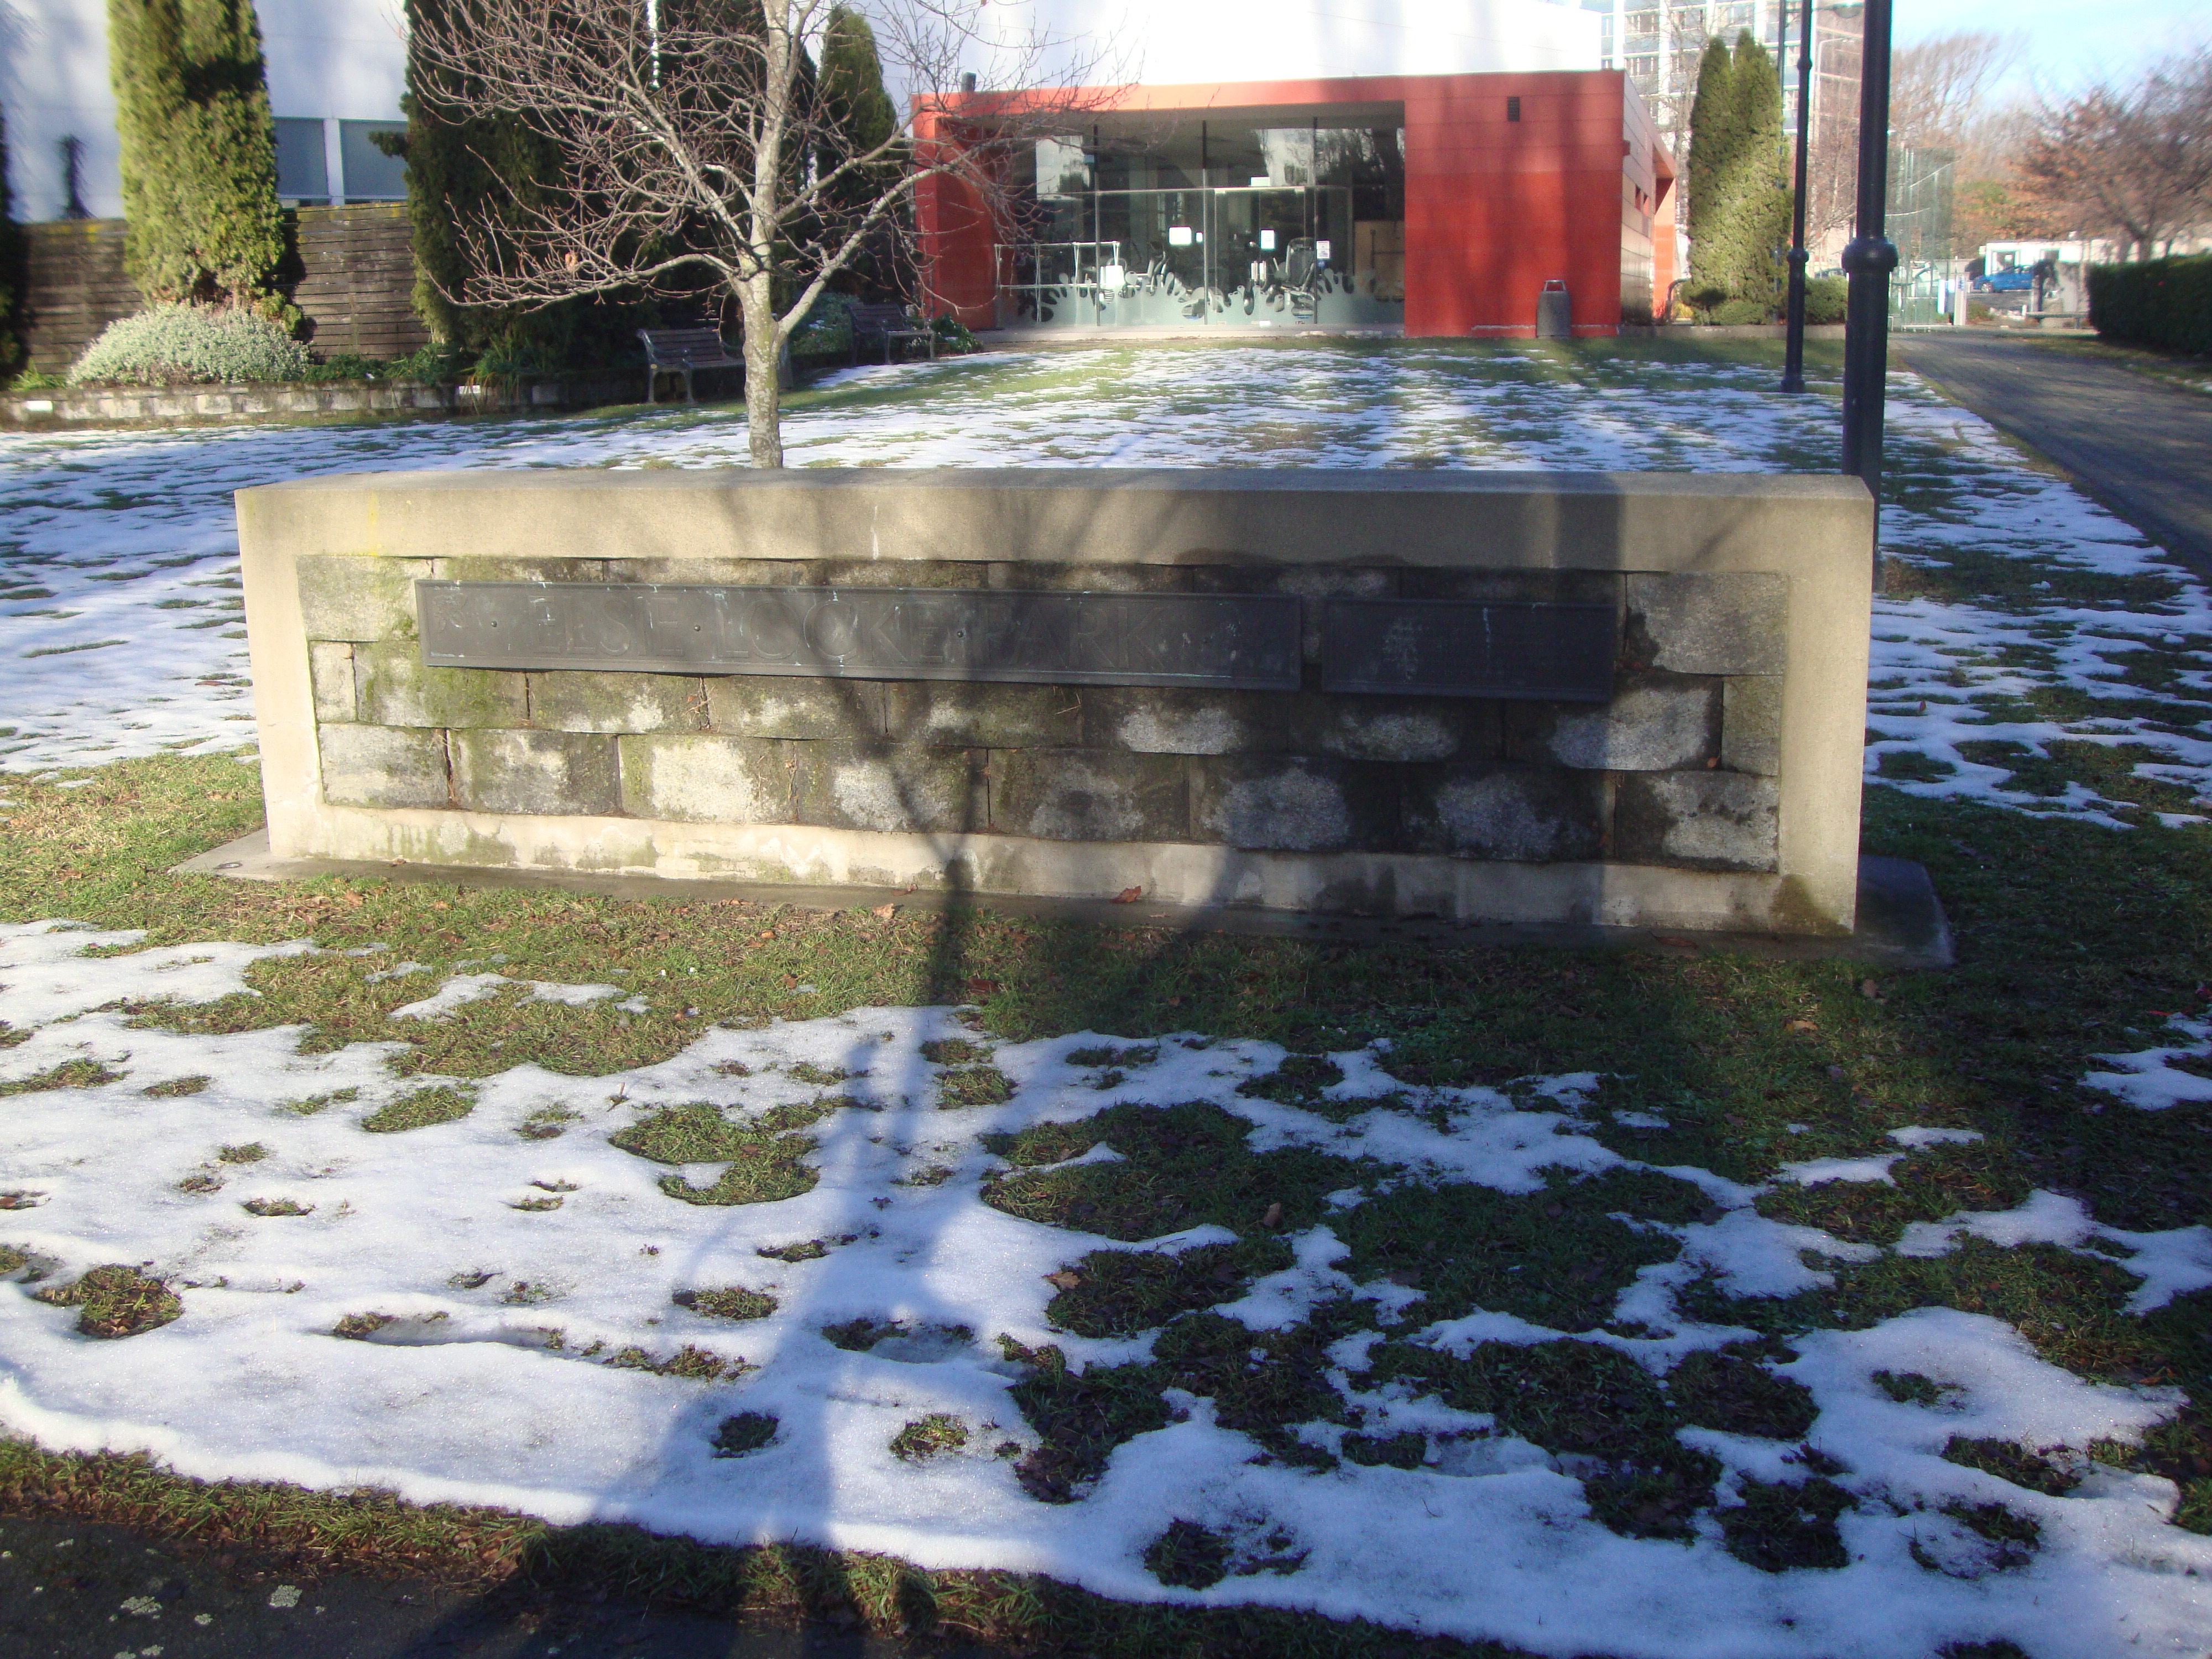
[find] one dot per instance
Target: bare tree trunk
(763, 394)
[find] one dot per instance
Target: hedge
(2160, 303)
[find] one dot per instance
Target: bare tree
(1940, 86)
(695, 137)
(2134, 162)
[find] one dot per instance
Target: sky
(2067, 41)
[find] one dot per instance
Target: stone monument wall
(1706, 777)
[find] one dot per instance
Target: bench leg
(651, 376)
(688, 397)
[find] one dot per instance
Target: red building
(1440, 204)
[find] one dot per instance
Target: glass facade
(1212, 222)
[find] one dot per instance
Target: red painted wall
(1493, 208)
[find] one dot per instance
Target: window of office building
(303, 172)
(370, 174)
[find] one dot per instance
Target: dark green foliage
(1825, 299)
(1179, 1167)
(1555, 1258)
(467, 165)
(2009, 1461)
(1779, 1528)
(1080, 1418)
(1578, 1397)
(2160, 303)
(1729, 1389)
(198, 149)
(1188, 1556)
(1122, 1293)
(1737, 203)
(747, 1432)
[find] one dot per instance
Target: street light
(1793, 350)
(1869, 259)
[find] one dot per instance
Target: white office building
(336, 71)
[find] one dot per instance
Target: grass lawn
(1132, 1293)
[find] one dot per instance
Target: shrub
(1825, 299)
(955, 334)
(1734, 314)
(2160, 302)
(828, 330)
(183, 344)
(1703, 299)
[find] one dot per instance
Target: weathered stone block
(1088, 795)
(733, 573)
(572, 773)
(1727, 622)
(953, 713)
(1394, 728)
(1292, 804)
(395, 689)
(471, 568)
(576, 701)
(792, 706)
(329, 669)
(1514, 586)
(379, 766)
(1182, 720)
(1090, 578)
(902, 573)
(350, 597)
(1751, 724)
(907, 788)
(1654, 723)
(707, 780)
(1697, 821)
(1529, 815)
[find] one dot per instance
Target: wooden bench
(885, 324)
(681, 351)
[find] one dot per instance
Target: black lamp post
(1869, 259)
(1793, 350)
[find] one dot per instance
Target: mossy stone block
(894, 787)
(559, 774)
(949, 714)
(1699, 820)
(1521, 814)
(357, 596)
(707, 780)
(395, 689)
(569, 700)
(380, 766)
(1292, 804)
(1655, 723)
(793, 706)
(1720, 623)
(1751, 724)
(329, 672)
(1179, 720)
(1088, 794)
(1402, 729)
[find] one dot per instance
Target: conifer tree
(1738, 204)
(199, 150)
(11, 265)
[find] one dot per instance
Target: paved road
(2142, 448)
(74, 1590)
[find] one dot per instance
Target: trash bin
(1555, 316)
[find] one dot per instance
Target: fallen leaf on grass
(982, 987)
(1273, 1218)
(1066, 1279)
(884, 912)
(1800, 1025)
(1128, 895)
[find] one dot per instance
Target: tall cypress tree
(1738, 204)
(199, 149)
(11, 265)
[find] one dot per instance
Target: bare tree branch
(695, 137)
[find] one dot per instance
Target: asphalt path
(2141, 447)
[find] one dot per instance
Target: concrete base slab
(1901, 924)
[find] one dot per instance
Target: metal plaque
(1244, 641)
(1421, 648)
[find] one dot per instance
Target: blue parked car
(2006, 281)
